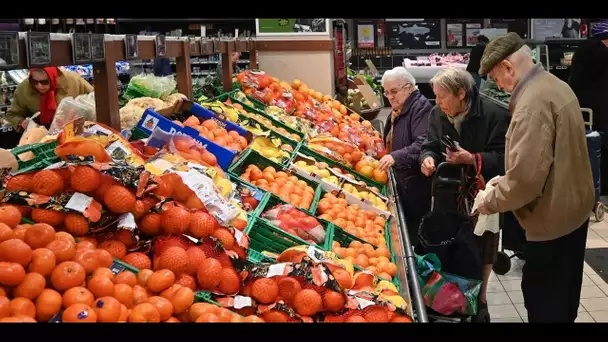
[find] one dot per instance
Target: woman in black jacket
(460, 114)
(589, 81)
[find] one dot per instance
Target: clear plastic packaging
(69, 109)
(148, 85)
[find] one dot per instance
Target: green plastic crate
(265, 237)
(137, 134)
(44, 155)
(256, 257)
(273, 200)
(251, 157)
(275, 122)
(332, 163)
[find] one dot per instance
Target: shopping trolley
(447, 231)
(594, 148)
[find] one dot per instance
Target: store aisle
(505, 299)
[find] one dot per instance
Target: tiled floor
(505, 299)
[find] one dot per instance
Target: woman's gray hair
(452, 80)
(400, 74)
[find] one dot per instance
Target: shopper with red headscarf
(42, 92)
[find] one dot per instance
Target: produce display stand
(106, 92)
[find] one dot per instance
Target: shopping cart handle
(440, 179)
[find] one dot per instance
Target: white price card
(79, 202)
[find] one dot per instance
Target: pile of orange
(210, 129)
(290, 189)
(365, 256)
(363, 224)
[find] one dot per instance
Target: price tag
(90, 21)
(69, 21)
(9, 50)
(161, 45)
(55, 21)
(38, 49)
(98, 47)
(242, 302)
(194, 48)
(131, 46)
(81, 48)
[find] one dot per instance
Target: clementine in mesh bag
(138, 260)
(119, 199)
(85, 179)
(48, 183)
(21, 182)
(48, 216)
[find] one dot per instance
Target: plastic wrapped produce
(70, 108)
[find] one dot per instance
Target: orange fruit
(150, 224)
(175, 220)
(307, 302)
(47, 183)
(104, 272)
(51, 217)
(275, 316)
(202, 225)
(15, 250)
(195, 257)
(10, 216)
(174, 259)
(108, 309)
(209, 274)
(39, 235)
(104, 257)
(76, 224)
(144, 313)
(85, 179)
(77, 295)
(43, 261)
(124, 314)
(48, 304)
(87, 258)
(66, 275)
(139, 294)
(85, 244)
(163, 305)
(182, 299)
(143, 275)
(124, 294)
(207, 318)
(6, 233)
(355, 319)
(343, 278)
(333, 301)
(225, 236)
(265, 290)
(376, 314)
(21, 182)
(101, 286)
(126, 277)
(5, 307)
(65, 236)
(160, 280)
(230, 282)
(288, 288)
(138, 260)
(119, 199)
(11, 273)
(23, 306)
(116, 248)
(79, 313)
(197, 309)
(31, 287)
(186, 280)
(63, 250)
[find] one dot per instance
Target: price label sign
(161, 45)
(195, 49)
(38, 49)
(81, 48)
(9, 50)
(131, 46)
(98, 47)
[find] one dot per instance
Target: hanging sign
(195, 49)
(131, 46)
(38, 49)
(365, 36)
(161, 45)
(98, 47)
(9, 50)
(81, 48)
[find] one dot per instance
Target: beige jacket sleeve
(530, 157)
(85, 86)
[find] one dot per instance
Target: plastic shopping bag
(296, 222)
(445, 293)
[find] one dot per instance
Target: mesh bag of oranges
(296, 222)
(250, 79)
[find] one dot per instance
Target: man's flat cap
(498, 49)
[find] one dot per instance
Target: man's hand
(386, 162)
(482, 208)
(460, 157)
(428, 166)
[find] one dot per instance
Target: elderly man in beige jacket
(548, 182)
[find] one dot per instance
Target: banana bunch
(231, 113)
(239, 95)
(366, 195)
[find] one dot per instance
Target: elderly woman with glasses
(480, 134)
(403, 135)
(42, 92)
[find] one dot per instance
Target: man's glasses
(43, 82)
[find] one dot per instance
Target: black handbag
(449, 235)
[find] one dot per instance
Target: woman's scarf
(389, 138)
(48, 106)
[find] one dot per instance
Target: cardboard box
(368, 93)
